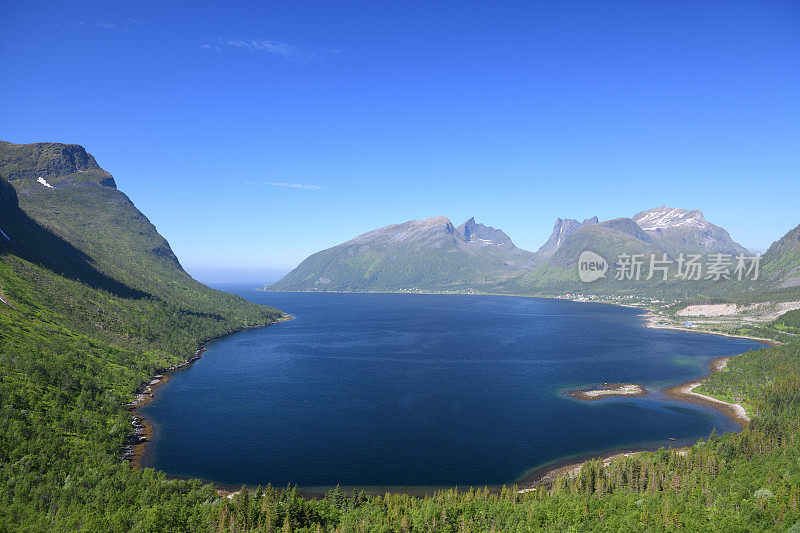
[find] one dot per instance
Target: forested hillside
(94, 302)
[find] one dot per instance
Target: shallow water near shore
(407, 390)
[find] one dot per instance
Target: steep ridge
(96, 303)
(62, 189)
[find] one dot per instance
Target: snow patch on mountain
(670, 217)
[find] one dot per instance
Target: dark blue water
(424, 390)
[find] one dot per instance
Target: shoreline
(547, 474)
(537, 477)
(685, 392)
(649, 318)
(143, 430)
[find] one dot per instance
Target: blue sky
(253, 134)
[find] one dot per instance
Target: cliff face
(562, 229)
(29, 162)
(478, 233)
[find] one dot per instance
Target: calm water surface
(424, 390)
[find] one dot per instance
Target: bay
(409, 390)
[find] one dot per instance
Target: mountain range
(435, 255)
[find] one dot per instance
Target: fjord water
(424, 390)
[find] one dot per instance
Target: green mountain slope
(782, 261)
(788, 322)
(430, 254)
(79, 203)
(778, 279)
(92, 303)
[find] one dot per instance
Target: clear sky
(253, 134)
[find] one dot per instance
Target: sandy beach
(685, 392)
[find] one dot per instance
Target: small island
(608, 390)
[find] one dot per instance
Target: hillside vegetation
(94, 302)
(789, 322)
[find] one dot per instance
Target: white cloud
(288, 185)
(272, 47)
(298, 186)
(276, 48)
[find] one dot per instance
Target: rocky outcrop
(480, 234)
(562, 229)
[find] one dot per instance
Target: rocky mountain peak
(474, 232)
(441, 219)
(686, 230)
